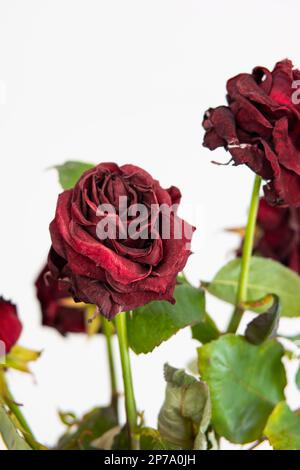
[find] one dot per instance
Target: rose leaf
(185, 415)
(151, 439)
(70, 172)
(9, 433)
(266, 276)
(150, 325)
(264, 325)
(245, 382)
(206, 330)
(85, 431)
(283, 428)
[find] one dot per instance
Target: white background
(124, 81)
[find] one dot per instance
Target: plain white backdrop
(124, 81)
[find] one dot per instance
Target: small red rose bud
(10, 325)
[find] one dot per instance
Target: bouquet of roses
(115, 268)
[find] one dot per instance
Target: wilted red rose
(260, 127)
(278, 234)
(10, 325)
(120, 272)
(56, 305)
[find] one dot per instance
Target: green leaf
(206, 330)
(106, 441)
(245, 383)
(9, 433)
(121, 440)
(157, 321)
(70, 172)
(265, 325)
(283, 428)
(150, 439)
(185, 415)
(266, 277)
(93, 425)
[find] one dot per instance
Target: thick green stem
(108, 332)
(130, 405)
(246, 258)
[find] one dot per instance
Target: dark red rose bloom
(278, 234)
(56, 305)
(10, 325)
(116, 274)
(260, 127)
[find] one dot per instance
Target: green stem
(15, 410)
(108, 332)
(257, 443)
(246, 258)
(130, 405)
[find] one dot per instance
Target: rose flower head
(260, 127)
(58, 309)
(10, 325)
(278, 234)
(117, 239)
